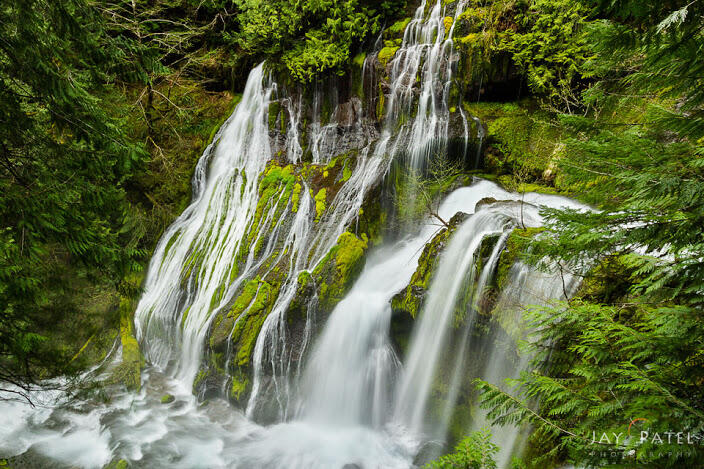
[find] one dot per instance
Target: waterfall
(348, 376)
(525, 287)
(344, 397)
(193, 260)
(448, 291)
(426, 55)
(429, 336)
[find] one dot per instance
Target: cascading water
(192, 263)
(454, 276)
(426, 53)
(354, 402)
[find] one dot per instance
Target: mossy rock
(250, 320)
(340, 267)
(167, 398)
(607, 282)
(386, 54)
(523, 143)
(129, 371)
(409, 300)
(397, 29)
(515, 245)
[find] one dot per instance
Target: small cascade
(416, 121)
(525, 287)
(481, 133)
(455, 289)
(435, 322)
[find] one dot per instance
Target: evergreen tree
(627, 354)
(62, 165)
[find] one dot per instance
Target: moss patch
(522, 141)
(515, 245)
(340, 267)
(320, 200)
(386, 54)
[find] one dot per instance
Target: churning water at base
(356, 402)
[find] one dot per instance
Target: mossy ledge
(129, 371)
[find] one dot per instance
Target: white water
(345, 415)
(225, 195)
(425, 55)
(449, 283)
(351, 408)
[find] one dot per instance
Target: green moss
(397, 29)
(522, 140)
(296, 197)
(340, 267)
(346, 173)
(304, 278)
(128, 372)
(358, 60)
(410, 299)
(447, 22)
(115, 464)
(245, 298)
(239, 386)
(247, 328)
(167, 398)
(320, 200)
(515, 244)
(386, 54)
(350, 251)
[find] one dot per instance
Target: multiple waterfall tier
(278, 196)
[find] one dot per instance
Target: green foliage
(602, 367)
(63, 163)
(631, 346)
(475, 451)
(651, 50)
(311, 36)
(550, 47)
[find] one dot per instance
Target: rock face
(406, 304)
(323, 134)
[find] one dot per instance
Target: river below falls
(115, 424)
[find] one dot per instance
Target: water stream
(352, 399)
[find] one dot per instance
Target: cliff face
(318, 134)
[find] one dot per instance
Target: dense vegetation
(104, 107)
(630, 346)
